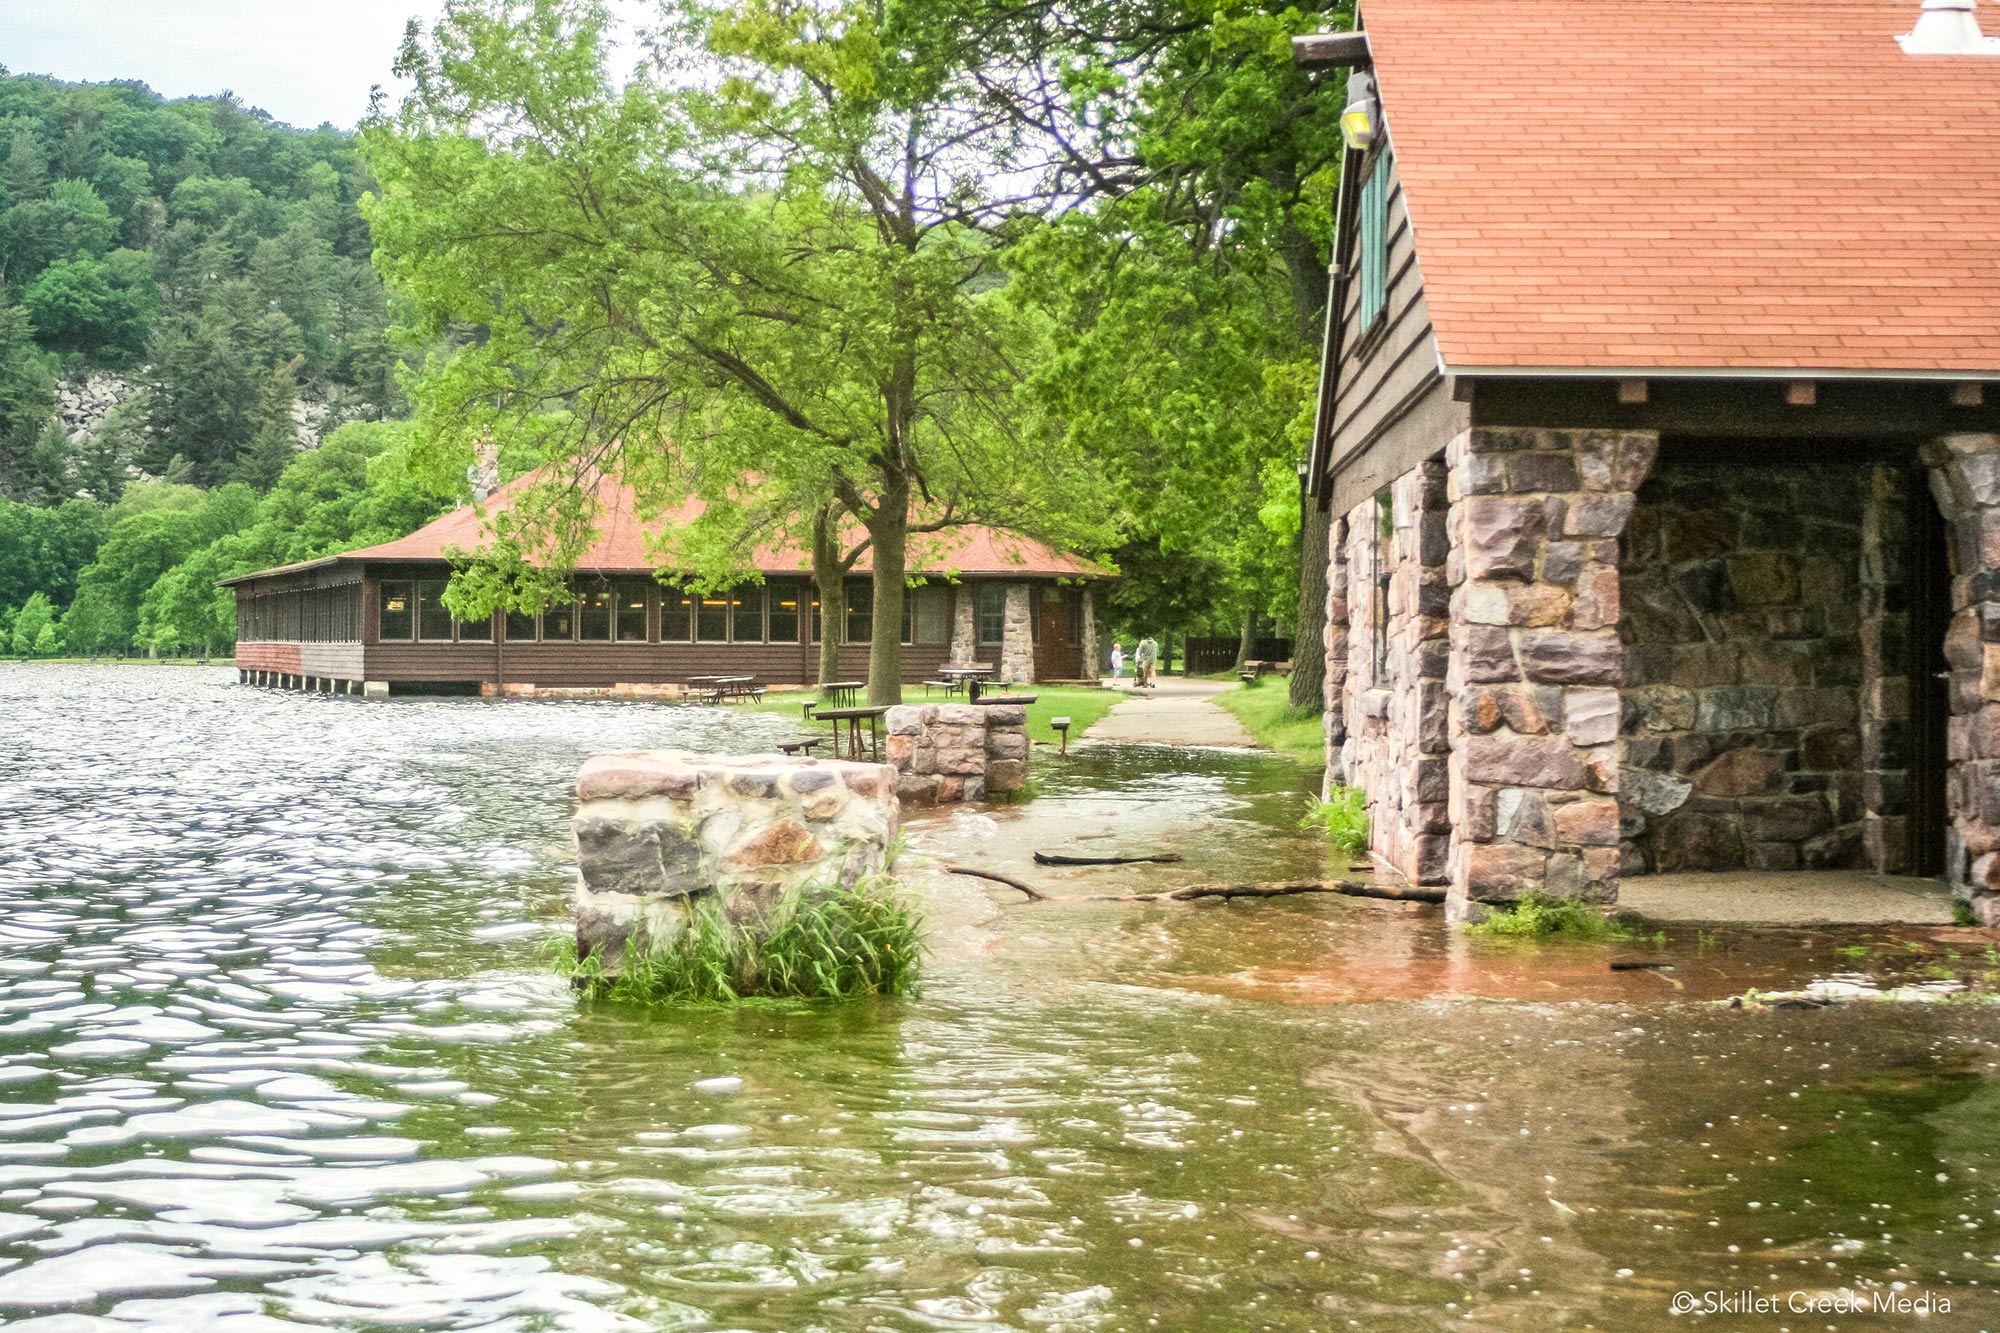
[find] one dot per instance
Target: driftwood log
(1352, 888)
(1074, 859)
(997, 878)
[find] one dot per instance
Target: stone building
(373, 620)
(1660, 427)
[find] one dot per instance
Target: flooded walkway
(280, 1049)
(1177, 711)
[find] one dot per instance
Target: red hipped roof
(619, 545)
(1697, 184)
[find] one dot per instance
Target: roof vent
(1948, 28)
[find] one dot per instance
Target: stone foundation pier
(658, 830)
(944, 753)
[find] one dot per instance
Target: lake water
(279, 1049)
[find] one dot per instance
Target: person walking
(1144, 659)
(1117, 659)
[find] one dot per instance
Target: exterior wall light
(1362, 118)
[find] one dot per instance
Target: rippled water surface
(278, 1049)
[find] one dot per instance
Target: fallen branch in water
(1352, 888)
(1071, 859)
(1011, 883)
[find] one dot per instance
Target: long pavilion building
(373, 620)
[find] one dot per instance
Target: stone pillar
(1333, 715)
(1017, 644)
(1535, 658)
(964, 649)
(374, 689)
(1965, 478)
(1884, 714)
(1087, 634)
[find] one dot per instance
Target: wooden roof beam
(1331, 50)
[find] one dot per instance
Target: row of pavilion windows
(301, 615)
(641, 611)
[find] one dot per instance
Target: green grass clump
(1343, 817)
(813, 944)
(1536, 916)
(1267, 715)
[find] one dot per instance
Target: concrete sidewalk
(1177, 711)
(1788, 898)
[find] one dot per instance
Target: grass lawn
(1265, 711)
(1079, 703)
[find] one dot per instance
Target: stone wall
(1965, 478)
(656, 829)
(1333, 719)
(1742, 607)
(1395, 709)
(945, 753)
(1535, 658)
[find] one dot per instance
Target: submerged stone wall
(1742, 615)
(945, 753)
(658, 829)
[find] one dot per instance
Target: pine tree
(277, 439)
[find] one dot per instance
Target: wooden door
(1056, 655)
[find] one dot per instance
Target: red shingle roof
(620, 545)
(1741, 184)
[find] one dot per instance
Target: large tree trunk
(1305, 266)
(888, 535)
(1308, 643)
(1246, 641)
(829, 577)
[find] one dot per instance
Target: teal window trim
(1374, 245)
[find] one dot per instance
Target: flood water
(279, 1048)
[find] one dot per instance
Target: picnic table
(854, 717)
(721, 689)
(842, 693)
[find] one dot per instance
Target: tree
(41, 550)
(276, 441)
(27, 393)
(781, 291)
(35, 618)
(1190, 295)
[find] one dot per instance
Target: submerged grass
(1536, 916)
(814, 944)
(1343, 817)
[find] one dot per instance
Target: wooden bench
(801, 744)
(985, 699)
(950, 686)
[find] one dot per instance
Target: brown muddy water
(279, 1049)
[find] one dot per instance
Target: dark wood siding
(1389, 406)
(598, 664)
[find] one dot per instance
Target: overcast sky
(304, 61)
